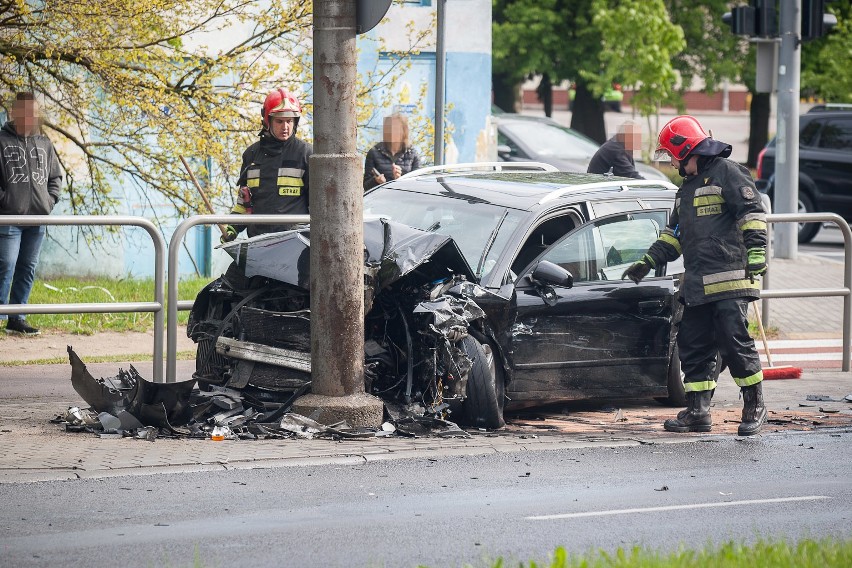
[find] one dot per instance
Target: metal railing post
(174, 275)
(846, 291)
(156, 307)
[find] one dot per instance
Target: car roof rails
(480, 167)
(827, 107)
(620, 185)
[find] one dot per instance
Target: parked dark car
(482, 290)
(825, 166)
(523, 138)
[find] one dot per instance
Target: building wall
(467, 84)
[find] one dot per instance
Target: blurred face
(25, 115)
(392, 132)
(632, 138)
(281, 127)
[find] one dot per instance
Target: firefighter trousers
(717, 326)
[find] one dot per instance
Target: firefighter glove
(229, 235)
(639, 269)
(756, 261)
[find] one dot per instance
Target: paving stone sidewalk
(36, 450)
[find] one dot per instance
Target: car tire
(807, 231)
(483, 406)
(677, 394)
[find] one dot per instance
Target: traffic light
(759, 19)
(815, 22)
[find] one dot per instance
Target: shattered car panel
(252, 325)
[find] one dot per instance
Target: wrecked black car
(482, 290)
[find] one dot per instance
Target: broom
(771, 372)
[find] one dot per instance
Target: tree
(827, 60)
(591, 42)
(129, 86)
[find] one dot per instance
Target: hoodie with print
(30, 175)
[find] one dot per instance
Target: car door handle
(812, 165)
(651, 306)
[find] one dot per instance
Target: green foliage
(638, 42)
(824, 553)
(826, 61)
(72, 290)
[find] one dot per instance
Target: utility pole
(337, 229)
(787, 130)
(440, 76)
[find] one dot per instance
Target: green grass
(824, 553)
(75, 290)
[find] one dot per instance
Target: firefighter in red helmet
(719, 225)
(274, 173)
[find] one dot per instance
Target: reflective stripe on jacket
(718, 215)
(276, 174)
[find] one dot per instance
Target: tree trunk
(758, 128)
(505, 92)
(545, 94)
(588, 114)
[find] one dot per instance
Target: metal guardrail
(156, 307)
(845, 292)
(174, 275)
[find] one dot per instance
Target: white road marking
(675, 508)
(781, 357)
(801, 343)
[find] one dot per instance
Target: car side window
(808, 135)
(541, 238)
(603, 249)
(836, 135)
(503, 140)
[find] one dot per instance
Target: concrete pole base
(360, 410)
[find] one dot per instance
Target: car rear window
(836, 135)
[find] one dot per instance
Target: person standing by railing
(30, 182)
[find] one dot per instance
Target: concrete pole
(787, 137)
(440, 76)
(337, 230)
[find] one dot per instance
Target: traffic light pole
(787, 133)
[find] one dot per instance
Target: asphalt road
(442, 512)
(828, 243)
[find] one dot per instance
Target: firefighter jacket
(276, 174)
(718, 215)
(380, 157)
(30, 175)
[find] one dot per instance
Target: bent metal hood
(391, 251)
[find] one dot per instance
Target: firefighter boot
(697, 416)
(754, 411)
(682, 414)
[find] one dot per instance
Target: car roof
(528, 190)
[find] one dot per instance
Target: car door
(830, 166)
(603, 336)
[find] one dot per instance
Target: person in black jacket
(393, 156)
(30, 181)
(616, 154)
(719, 225)
(274, 176)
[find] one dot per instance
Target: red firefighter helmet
(281, 103)
(679, 137)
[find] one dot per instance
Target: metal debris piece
(109, 423)
(829, 410)
(823, 398)
(104, 395)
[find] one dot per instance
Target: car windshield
(474, 224)
(545, 139)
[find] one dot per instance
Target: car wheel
(677, 395)
(483, 406)
(807, 231)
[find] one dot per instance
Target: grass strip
(180, 356)
(807, 553)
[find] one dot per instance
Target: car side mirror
(547, 272)
(504, 150)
